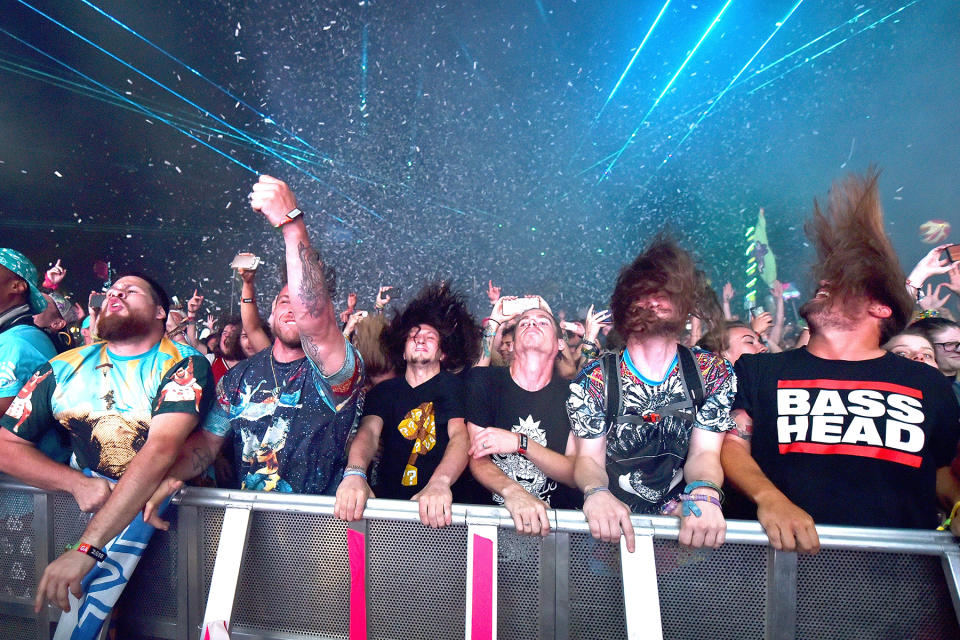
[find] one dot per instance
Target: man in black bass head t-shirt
(521, 443)
(418, 416)
(842, 432)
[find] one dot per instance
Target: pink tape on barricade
(216, 631)
(481, 624)
(356, 550)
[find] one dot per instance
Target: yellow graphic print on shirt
(420, 426)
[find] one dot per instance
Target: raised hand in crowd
(493, 327)
(493, 292)
(932, 300)
(352, 321)
(249, 311)
(954, 278)
(761, 323)
(383, 299)
(775, 337)
(54, 276)
(727, 296)
(932, 264)
(351, 306)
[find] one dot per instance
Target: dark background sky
(469, 148)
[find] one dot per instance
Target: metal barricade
(294, 580)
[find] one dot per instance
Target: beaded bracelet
(697, 484)
(689, 508)
(354, 472)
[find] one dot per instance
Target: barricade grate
(595, 589)
(15, 628)
(17, 561)
(295, 576)
(211, 521)
(712, 593)
(861, 594)
(68, 522)
(518, 585)
(416, 581)
(152, 592)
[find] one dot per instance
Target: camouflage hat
(21, 266)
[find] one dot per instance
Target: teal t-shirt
(104, 402)
(22, 350)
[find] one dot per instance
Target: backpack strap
(692, 378)
(611, 384)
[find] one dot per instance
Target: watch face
(294, 213)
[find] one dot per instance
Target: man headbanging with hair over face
(841, 431)
(649, 421)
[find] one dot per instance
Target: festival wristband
(590, 492)
(704, 484)
(246, 300)
(292, 215)
(953, 514)
(89, 549)
(522, 444)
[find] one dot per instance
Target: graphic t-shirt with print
(292, 422)
(495, 400)
(645, 457)
(104, 402)
(851, 442)
(414, 435)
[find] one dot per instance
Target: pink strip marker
(356, 550)
(481, 624)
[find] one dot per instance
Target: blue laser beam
(207, 113)
(730, 84)
(749, 77)
(690, 55)
(596, 118)
(834, 46)
(636, 53)
(261, 115)
(117, 94)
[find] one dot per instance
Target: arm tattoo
(744, 431)
(201, 460)
(313, 288)
(486, 343)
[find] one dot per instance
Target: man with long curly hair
(649, 421)
(418, 416)
(842, 432)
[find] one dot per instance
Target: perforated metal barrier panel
(294, 581)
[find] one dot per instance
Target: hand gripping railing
(279, 566)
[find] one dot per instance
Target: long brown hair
(854, 255)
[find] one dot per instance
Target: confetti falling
(447, 139)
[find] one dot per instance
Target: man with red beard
(293, 405)
(649, 421)
(843, 432)
(126, 404)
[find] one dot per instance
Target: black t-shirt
(851, 442)
(495, 400)
(414, 434)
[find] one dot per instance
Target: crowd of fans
(668, 402)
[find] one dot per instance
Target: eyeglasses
(947, 346)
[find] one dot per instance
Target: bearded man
(841, 431)
(292, 405)
(126, 405)
(649, 421)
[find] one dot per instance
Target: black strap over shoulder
(691, 376)
(25, 318)
(611, 382)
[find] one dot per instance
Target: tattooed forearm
(313, 288)
(311, 350)
(486, 344)
(201, 460)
